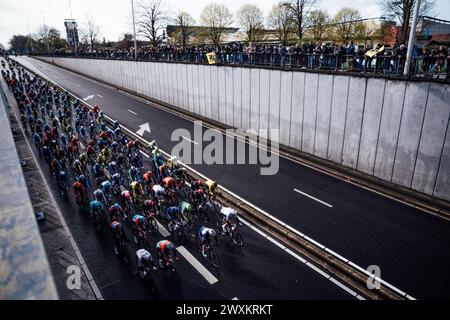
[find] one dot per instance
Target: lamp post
(46, 34)
(134, 30)
(412, 37)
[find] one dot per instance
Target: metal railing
(421, 67)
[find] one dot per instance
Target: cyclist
(172, 215)
(144, 261)
(139, 225)
(133, 174)
(229, 214)
(118, 235)
(206, 234)
(106, 186)
(83, 180)
(79, 191)
(115, 211)
(96, 208)
(136, 190)
(99, 195)
(185, 207)
(166, 250)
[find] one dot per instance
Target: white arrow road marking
(89, 97)
(189, 140)
(131, 111)
(142, 128)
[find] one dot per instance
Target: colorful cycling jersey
(204, 233)
(115, 208)
(143, 255)
(165, 246)
(172, 212)
(96, 205)
(138, 219)
(158, 189)
(106, 185)
(185, 206)
(116, 228)
(168, 181)
(228, 213)
(125, 194)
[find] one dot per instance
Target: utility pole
(412, 37)
(134, 30)
(46, 34)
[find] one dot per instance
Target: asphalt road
(259, 270)
(411, 247)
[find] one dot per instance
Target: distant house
(432, 29)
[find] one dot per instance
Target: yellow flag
(381, 49)
(211, 57)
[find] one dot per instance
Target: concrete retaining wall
(395, 130)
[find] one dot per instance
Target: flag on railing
(211, 56)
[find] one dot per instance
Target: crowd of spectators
(324, 55)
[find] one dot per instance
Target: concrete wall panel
(237, 97)
(229, 107)
(442, 189)
(275, 96)
(264, 101)
(201, 92)
(221, 87)
(371, 125)
(389, 128)
(353, 121)
(246, 102)
(410, 131)
(309, 112)
(432, 139)
(322, 131)
(338, 114)
(298, 94)
(254, 98)
(285, 107)
(215, 102)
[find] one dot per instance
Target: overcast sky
(114, 16)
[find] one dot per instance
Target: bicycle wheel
(237, 239)
(154, 225)
(175, 276)
(213, 257)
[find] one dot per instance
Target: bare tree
(216, 17)
(151, 20)
(281, 19)
(184, 23)
(347, 25)
(402, 10)
(90, 33)
(317, 24)
(300, 10)
(251, 19)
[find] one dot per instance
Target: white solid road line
(197, 265)
(163, 230)
(249, 204)
(131, 111)
(311, 197)
(306, 263)
(192, 141)
(99, 95)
